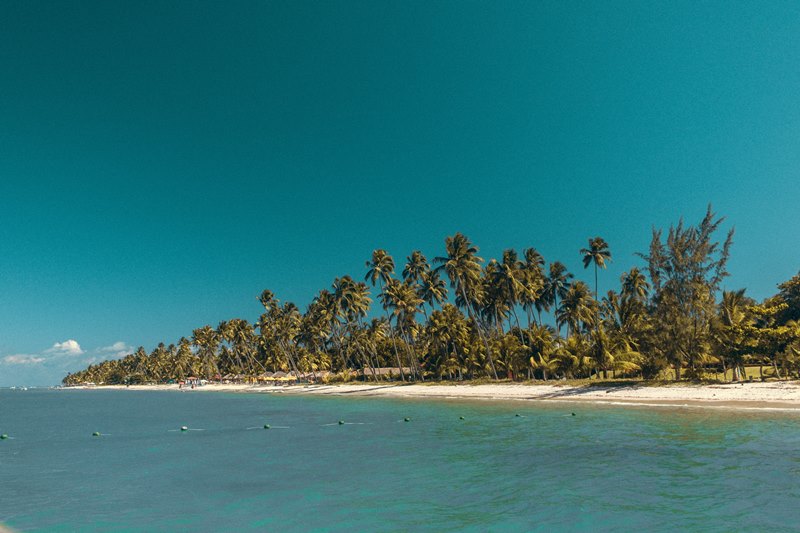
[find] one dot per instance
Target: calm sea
(606, 468)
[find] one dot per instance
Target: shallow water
(607, 468)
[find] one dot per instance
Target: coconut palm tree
(635, 285)
(541, 343)
(555, 286)
(403, 301)
(577, 309)
(511, 279)
(431, 289)
(494, 306)
(381, 268)
(463, 266)
(729, 330)
(597, 254)
(206, 340)
(533, 283)
(448, 336)
(416, 266)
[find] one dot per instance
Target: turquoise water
(607, 468)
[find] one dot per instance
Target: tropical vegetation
(459, 317)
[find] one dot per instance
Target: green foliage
(492, 325)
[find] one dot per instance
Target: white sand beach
(755, 395)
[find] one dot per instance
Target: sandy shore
(770, 395)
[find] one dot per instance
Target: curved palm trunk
(394, 342)
(290, 356)
(412, 355)
(480, 331)
(516, 318)
(555, 314)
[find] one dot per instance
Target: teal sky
(163, 162)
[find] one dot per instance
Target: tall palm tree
(493, 306)
(533, 282)
(635, 285)
(598, 254)
(416, 266)
(431, 289)
(404, 302)
(510, 277)
(463, 266)
(206, 340)
(577, 309)
(381, 268)
(315, 330)
(556, 285)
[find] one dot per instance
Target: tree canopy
(516, 317)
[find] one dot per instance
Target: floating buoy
(3, 436)
(266, 426)
(96, 434)
(341, 422)
(184, 428)
(461, 418)
(406, 419)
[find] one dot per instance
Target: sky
(161, 163)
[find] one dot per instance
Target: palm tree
(728, 330)
(510, 277)
(556, 285)
(463, 266)
(598, 254)
(416, 266)
(183, 359)
(635, 285)
(431, 289)
(404, 302)
(315, 330)
(493, 305)
(381, 268)
(576, 309)
(447, 335)
(533, 283)
(540, 340)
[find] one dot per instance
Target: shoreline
(781, 396)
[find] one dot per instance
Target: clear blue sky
(163, 162)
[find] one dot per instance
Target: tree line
(460, 317)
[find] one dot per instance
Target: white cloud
(68, 347)
(22, 359)
(116, 350)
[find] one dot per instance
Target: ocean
(453, 466)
